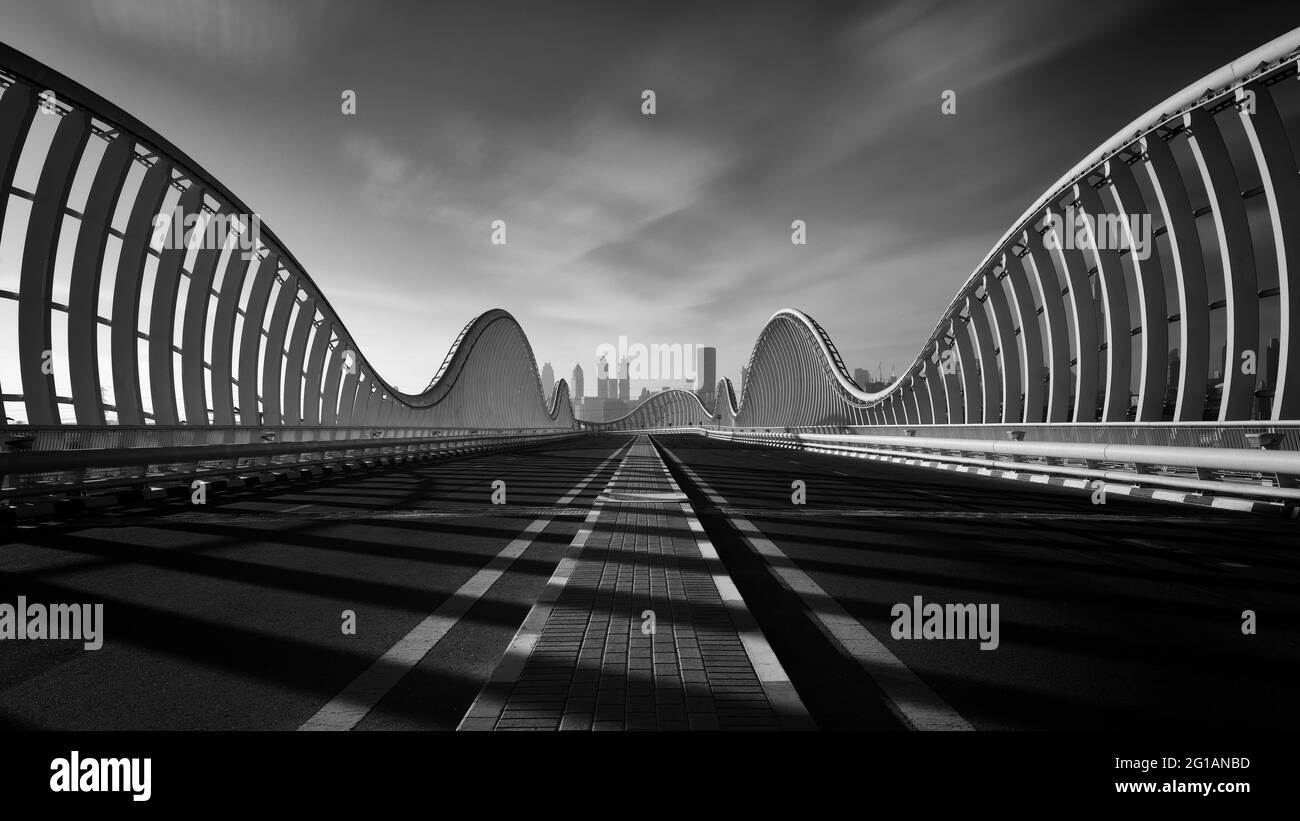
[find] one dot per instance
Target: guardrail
(1243, 435)
(1249, 461)
(1261, 473)
(54, 460)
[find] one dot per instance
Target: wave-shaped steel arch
(1008, 347)
(666, 409)
(196, 356)
(796, 379)
(1002, 368)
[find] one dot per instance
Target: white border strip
(349, 707)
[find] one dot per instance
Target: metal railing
(53, 460)
(1259, 462)
(1183, 434)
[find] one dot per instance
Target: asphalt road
(229, 615)
(1117, 616)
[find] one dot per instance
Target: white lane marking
(776, 683)
(349, 707)
(910, 698)
(297, 508)
(839, 473)
(491, 700)
(785, 701)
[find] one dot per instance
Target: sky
(666, 228)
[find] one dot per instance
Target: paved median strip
(349, 707)
(695, 660)
(910, 698)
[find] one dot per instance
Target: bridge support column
(272, 362)
(251, 340)
(907, 410)
(335, 380)
(1009, 351)
(1277, 170)
(1040, 270)
(194, 332)
(35, 291)
(1032, 375)
(1084, 312)
(1116, 331)
(17, 110)
(937, 391)
(223, 339)
(1153, 369)
(972, 412)
(83, 292)
(990, 382)
(1237, 252)
(1189, 272)
(312, 392)
(921, 390)
(296, 367)
(163, 309)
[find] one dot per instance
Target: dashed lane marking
(910, 698)
(349, 707)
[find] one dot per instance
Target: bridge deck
(639, 628)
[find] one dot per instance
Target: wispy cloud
(236, 36)
(674, 227)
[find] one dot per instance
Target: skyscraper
(579, 389)
(706, 370)
(548, 381)
(602, 378)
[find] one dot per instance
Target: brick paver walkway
(639, 628)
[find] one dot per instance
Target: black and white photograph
(897, 393)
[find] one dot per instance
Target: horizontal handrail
(1275, 473)
(28, 472)
(1234, 459)
(51, 460)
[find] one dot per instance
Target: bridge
(1069, 512)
